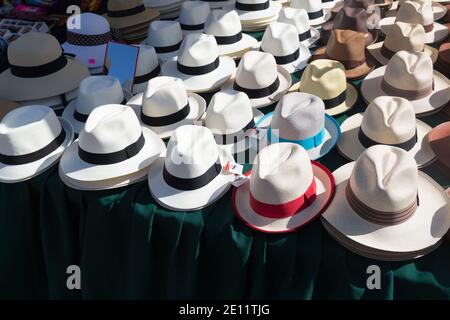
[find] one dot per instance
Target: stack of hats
(130, 19)
(168, 9)
(316, 13)
(256, 15)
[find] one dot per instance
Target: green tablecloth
(128, 247)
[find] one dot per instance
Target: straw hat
(94, 91)
(411, 76)
(326, 79)
(218, 4)
(165, 37)
(40, 73)
(166, 105)
(300, 118)
(349, 48)
(281, 40)
(191, 176)
(32, 139)
(439, 139)
(193, 15)
(439, 10)
(124, 14)
(317, 15)
(199, 64)
(260, 78)
(112, 145)
(307, 35)
(385, 205)
(254, 10)
(285, 192)
(390, 121)
(402, 36)
(147, 68)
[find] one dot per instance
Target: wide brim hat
(62, 81)
(354, 73)
(23, 172)
(371, 36)
(331, 137)
(285, 83)
(91, 56)
(432, 103)
(350, 147)
(350, 101)
(300, 63)
(319, 21)
(315, 36)
(70, 109)
(197, 107)
(55, 102)
(246, 43)
(424, 229)
(163, 57)
(205, 82)
(243, 210)
(439, 10)
(375, 51)
(125, 22)
(438, 34)
(273, 10)
(77, 171)
(182, 200)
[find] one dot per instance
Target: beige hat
(390, 121)
(40, 73)
(411, 76)
(402, 36)
(326, 79)
(385, 204)
(439, 10)
(123, 14)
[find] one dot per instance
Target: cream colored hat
(251, 10)
(390, 121)
(439, 10)
(402, 36)
(260, 78)
(165, 37)
(307, 35)
(285, 192)
(166, 105)
(281, 40)
(193, 15)
(326, 79)
(411, 76)
(147, 68)
(124, 14)
(317, 15)
(388, 207)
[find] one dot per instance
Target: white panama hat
(307, 35)
(390, 121)
(385, 205)
(439, 10)
(32, 139)
(191, 176)
(166, 105)
(193, 15)
(165, 37)
(286, 190)
(328, 4)
(317, 15)
(147, 68)
(252, 11)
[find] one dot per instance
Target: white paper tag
(234, 168)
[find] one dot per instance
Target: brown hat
(444, 58)
(124, 14)
(361, 4)
(7, 106)
(439, 139)
(347, 47)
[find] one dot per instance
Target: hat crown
(19, 127)
(280, 39)
(409, 70)
(256, 70)
(118, 5)
(385, 178)
(164, 96)
(416, 12)
(324, 78)
(346, 45)
(95, 91)
(163, 33)
(222, 23)
(110, 128)
(90, 24)
(282, 172)
(298, 116)
(47, 49)
(228, 112)
(405, 36)
(198, 50)
(308, 5)
(194, 12)
(389, 120)
(354, 19)
(147, 60)
(191, 151)
(297, 17)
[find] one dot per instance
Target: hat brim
(315, 36)
(65, 80)
(23, 172)
(439, 10)
(285, 84)
(423, 229)
(205, 82)
(300, 63)
(246, 43)
(438, 34)
(181, 200)
(332, 135)
(55, 102)
(137, 19)
(87, 54)
(273, 9)
(434, 102)
(197, 108)
(243, 210)
(70, 109)
(349, 103)
(319, 21)
(78, 171)
(375, 51)
(351, 148)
